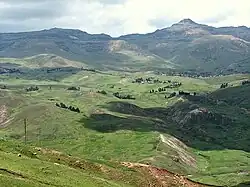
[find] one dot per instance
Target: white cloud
(117, 17)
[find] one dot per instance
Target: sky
(119, 17)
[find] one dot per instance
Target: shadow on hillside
(41, 74)
(217, 133)
(238, 95)
(245, 184)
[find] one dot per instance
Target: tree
(102, 92)
(74, 88)
(224, 85)
(4, 87)
(62, 105)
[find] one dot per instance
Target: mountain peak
(187, 21)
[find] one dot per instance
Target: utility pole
(25, 130)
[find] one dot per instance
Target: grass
(134, 139)
(227, 167)
(51, 168)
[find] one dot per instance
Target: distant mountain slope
(41, 61)
(197, 46)
(98, 50)
(186, 45)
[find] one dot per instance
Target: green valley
(201, 132)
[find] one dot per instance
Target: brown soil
(164, 177)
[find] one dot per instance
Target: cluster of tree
(3, 87)
(157, 81)
(189, 73)
(157, 90)
(30, 89)
(120, 96)
(71, 108)
(224, 85)
(171, 95)
(184, 93)
(74, 88)
(173, 85)
(138, 80)
(9, 70)
(102, 92)
(86, 69)
(245, 82)
(161, 89)
(63, 69)
(180, 93)
(149, 80)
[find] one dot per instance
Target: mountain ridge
(186, 44)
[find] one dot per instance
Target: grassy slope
(43, 60)
(52, 168)
(60, 129)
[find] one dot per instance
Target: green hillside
(204, 137)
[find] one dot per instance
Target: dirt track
(3, 115)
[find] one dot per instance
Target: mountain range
(185, 45)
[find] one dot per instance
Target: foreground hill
(35, 166)
(185, 45)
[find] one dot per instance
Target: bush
(224, 85)
(183, 93)
(118, 95)
(245, 82)
(4, 87)
(71, 108)
(102, 92)
(30, 89)
(172, 95)
(74, 88)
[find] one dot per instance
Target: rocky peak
(187, 21)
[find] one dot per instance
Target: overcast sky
(118, 17)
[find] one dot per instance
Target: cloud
(118, 17)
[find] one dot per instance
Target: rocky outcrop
(190, 113)
(203, 115)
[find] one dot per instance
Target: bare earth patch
(164, 177)
(181, 150)
(3, 116)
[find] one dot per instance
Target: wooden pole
(25, 130)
